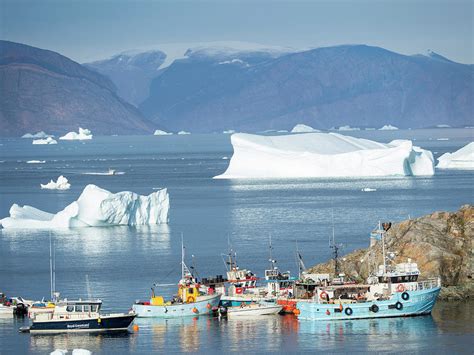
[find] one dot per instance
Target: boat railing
(428, 284)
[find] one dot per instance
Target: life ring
(400, 288)
(399, 306)
(323, 296)
(190, 299)
(405, 296)
(195, 310)
(348, 311)
(374, 308)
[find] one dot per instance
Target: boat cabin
(71, 309)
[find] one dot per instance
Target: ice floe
(368, 189)
(48, 140)
(183, 132)
(40, 134)
(159, 132)
(388, 127)
(460, 159)
(348, 128)
(95, 207)
(61, 184)
(302, 128)
(36, 162)
(83, 134)
(107, 173)
(323, 155)
(229, 131)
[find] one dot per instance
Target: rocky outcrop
(440, 243)
(43, 90)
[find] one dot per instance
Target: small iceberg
(95, 207)
(107, 173)
(302, 128)
(83, 134)
(442, 139)
(388, 127)
(40, 134)
(36, 162)
(229, 131)
(309, 155)
(48, 140)
(60, 184)
(81, 352)
(348, 128)
(460, 159)
(159, 132)
(183, 132)
(59, 352)
(443, 126)
(368, 189)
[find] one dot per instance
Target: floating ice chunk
(443, 126)
(183, 132)
(82, 135)
(323, 155)
(61, 184)
(95, 207)
(302, 128)
(229, 131)
(225, 158)
(48, 140)
(159, 132)
(81, 352)
(59, 352)
(368, 189)
(388, 127)
(36, 162)
(348, 128)
(442, 139)
(40, 134)
(460, 159)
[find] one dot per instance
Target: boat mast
(51, 265)
(382, 235)
(334, 247)
(182, 257)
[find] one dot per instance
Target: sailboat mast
(182, 257)
(382, 233)
(50, 265)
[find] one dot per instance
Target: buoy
(136, 327)
(195, 310)
(296, 311)
(327, 312)
(208, 306)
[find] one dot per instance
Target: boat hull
(253, 311)
(102, 324)
(419, 303)
(200, 307)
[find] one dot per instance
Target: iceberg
(36, 162)
(159, 132)
(229, 131)
(323, 155)
(302, 128)
(48, 140)
(61, 184)
(460, 159)
(388, 127)
(82, 135)
(95, 207)
(183, 132)
(40, 134)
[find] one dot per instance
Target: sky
(86, 30)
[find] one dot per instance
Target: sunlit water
(122, 262)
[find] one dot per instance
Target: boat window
(78, 308)
(70, 308)
(190, 290)
(87, 308)
(93, 307)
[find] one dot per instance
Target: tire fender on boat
(374, 308)
(405, 296)
(348, 311)
(399, 306)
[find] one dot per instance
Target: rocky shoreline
(440, 243)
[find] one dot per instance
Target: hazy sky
(86, 30)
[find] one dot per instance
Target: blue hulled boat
(392, 291)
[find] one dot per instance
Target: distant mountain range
(241, 86)
(43, 90)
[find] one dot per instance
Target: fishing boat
(393, 290)
(78, 316)
(251, 310)
(192, 299)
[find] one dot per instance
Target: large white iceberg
(48, 140)
(40, 134)
(95, 207)
(323, 155)
(460, 159)
(388, 127)
(302, 128)
(159, 132)
(82, 135)
(61, 184)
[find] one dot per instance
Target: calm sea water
(123, 262)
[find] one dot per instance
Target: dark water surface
(123, 262)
